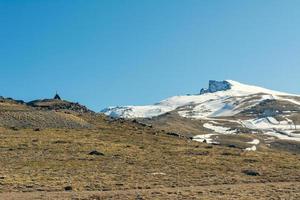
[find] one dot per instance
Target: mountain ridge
(226, 107)
(45, 113)
(216, 90)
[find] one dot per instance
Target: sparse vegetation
(120, 159)
(134, 158)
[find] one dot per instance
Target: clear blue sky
(119, 52)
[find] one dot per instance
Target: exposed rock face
(96, 153)
(251, 172)
(215, 86)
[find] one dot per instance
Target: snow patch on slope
(253, 148)
(204, 138)
(283, 135)
(137, 111)
(223, 106)
(269, 123)
(219, 129)
(284, 130)
(254, 141)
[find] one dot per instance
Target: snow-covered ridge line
(222, 98)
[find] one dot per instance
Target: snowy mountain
(222, 98)
(225, 107)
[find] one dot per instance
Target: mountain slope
(135, 158)
(225, 107)
(130, 159)
(220, 99)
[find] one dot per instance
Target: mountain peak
(222, 98)
(237, 88)
(215, 86)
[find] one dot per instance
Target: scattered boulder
(231, 146)
(96, 153)
(68, 188)
(173, 134)
(251, 172)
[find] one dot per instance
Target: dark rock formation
(251, 172)
(96, 153)
(68, 188)
(215, 86)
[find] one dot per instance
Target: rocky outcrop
(215, 86)
(56, 104)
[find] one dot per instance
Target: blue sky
(119, 52)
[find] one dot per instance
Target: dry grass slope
(130, 160)
(137, 160)
(19, 115)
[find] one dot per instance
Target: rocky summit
(215, 86)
